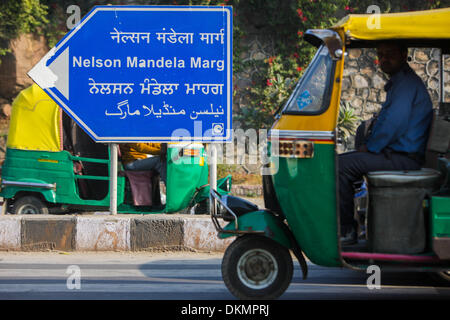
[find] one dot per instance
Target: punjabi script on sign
(150, 85)
(153, 87)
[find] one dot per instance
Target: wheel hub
(29, 209)
(257, 268)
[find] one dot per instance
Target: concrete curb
(91, 232)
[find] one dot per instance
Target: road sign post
(213, 176)
(145, 73)
(113, 178)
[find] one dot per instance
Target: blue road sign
(145, 73)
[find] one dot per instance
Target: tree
(20, 16)
(284, 26)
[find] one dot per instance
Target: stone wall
(258, 49)
(363, 82)
(25, 52)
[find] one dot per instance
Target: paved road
(180, 276)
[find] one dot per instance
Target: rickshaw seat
(238, 205)
(396, 216)
(423, 178)
(396, 221)
(141, 187)
(429, 176)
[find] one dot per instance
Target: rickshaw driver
(135, 158)
(398, 137)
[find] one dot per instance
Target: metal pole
(113, 178)
(441, 78)
(212, 176)
(4, 207)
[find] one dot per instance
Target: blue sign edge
(61, 45)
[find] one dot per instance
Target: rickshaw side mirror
(329, 38)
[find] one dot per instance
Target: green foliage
(283, 24)
(389, 6)
(346, 121)
(57, 14)
(280, 23)
(20, 16)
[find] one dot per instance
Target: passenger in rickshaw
(397, 138)
(144, 157)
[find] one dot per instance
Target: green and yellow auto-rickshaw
(51, 165)
(301, 214)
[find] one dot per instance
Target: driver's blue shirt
(405, 117)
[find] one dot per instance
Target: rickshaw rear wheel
(442, 277)
(29, 205)
(256, 267)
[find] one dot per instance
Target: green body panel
(259, 221)
(223, 187)
(49, 168)
(184, 175)
(126, 208)
(306, 191)
(440, 217)
(11, 191)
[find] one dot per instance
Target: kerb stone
(48, 233)
(101, 233)
(10, 228)
(152, 232)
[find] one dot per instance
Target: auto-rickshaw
(301, 192)
(52, 165)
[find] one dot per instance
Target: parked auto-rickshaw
(301, 195)
(53, 165)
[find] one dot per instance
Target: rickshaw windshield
(312, 93)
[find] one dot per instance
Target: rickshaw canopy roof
(35, 122)
(419, 28)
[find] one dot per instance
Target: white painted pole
(4, 207)
(113, 178)
(441, 77)
(212, 176)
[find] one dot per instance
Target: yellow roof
(35, 122)
(429, 24)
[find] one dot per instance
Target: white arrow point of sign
(55, 75)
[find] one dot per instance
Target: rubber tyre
(29, 205)
(442, 277)
(256, 267)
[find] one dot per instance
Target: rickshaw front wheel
(255, 267)
(29, 205)
(442, 277)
